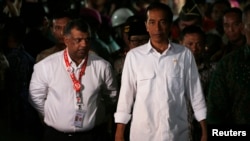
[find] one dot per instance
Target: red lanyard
(77, 83)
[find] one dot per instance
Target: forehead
(75, 32)
(193, 35)
(232, 16)
(156, 14)
(61, 20)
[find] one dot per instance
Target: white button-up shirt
(53, 95)
(158, 87)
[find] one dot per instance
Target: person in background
(119, 22)
(105, 34)
(194, 38)
(159, 81)
(233, 31)
(59, 21)
(189, 15)
(228, 98)
(37, 26)
(137, 34)
(74, 90)
(97, 45)
(23, 120)
(218, 7)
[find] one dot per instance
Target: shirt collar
(149, 47)
(72, 63)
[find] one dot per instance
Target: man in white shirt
(160, 82)
(71, 88)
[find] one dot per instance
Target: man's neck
(238, 43)
(160, 47)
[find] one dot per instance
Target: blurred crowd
(31, 30)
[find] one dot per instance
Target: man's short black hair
(193, 29)
(79, 24)
(163, 7)
(235, 10)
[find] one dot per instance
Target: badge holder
(80, 113)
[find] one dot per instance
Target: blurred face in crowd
(58, 27)
(157, 26)
(233, 26)
(217, 11)
(137, 40)
(194, 42)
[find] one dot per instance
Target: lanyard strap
(76, 83)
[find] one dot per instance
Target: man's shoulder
(97, 59)
(177, 48)
(52, 59)
(234, 55)
(140, 49)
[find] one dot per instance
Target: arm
(119, 135)
(203, 125)
(126, 98)
(197, 98)
(110, 90)
(38, 89)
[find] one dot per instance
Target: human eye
(236, 24)
(76, 40)
(163, 22)
(86, 39)
(151, 22)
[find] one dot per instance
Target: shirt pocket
(144, 81)
(175, 80)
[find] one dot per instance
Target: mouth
(157, 35)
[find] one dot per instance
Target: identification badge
(79, 118)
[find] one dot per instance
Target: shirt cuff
(201, 114)
(122, 117)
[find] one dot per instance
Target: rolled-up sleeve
(195, 92)
(127, 92)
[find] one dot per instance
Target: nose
(230, 28)
(61, 32)
(158, 26)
